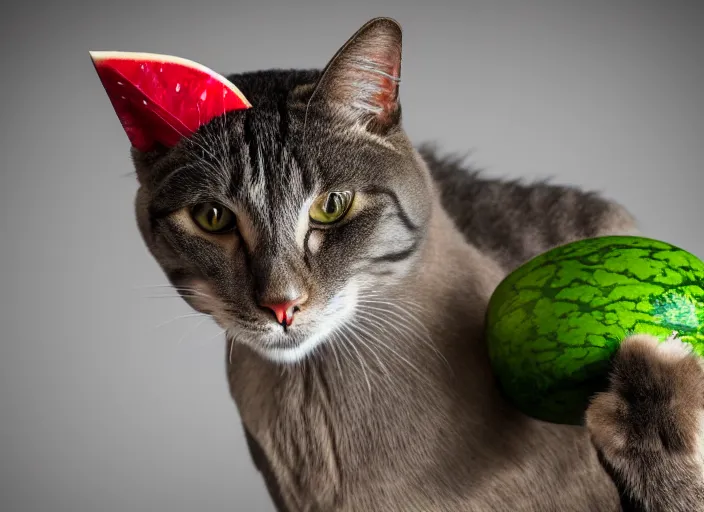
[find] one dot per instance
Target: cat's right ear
(362, 80)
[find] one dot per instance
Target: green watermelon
(554, 324)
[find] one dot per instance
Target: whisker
(396, 309)
(192, 330)
(345, 345)
(383, 298)
(397, 305)
(184, 296)
(403, 315)
(365, 344)
(390, 349)
(189, 315)
(335, 340)
(426, 340)
(361, 364)
(148, 286)
(217, 335)
(181, 289)
(402, 323)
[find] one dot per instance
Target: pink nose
(284, 311)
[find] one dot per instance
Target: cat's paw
(647, 426)
(655, 398)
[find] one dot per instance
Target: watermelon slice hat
(160, 99)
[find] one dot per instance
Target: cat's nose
(284, 311)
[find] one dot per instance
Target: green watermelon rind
(589, 295)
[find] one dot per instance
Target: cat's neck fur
(343, 421)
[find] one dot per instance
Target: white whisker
(360, 326)
(184, 296)
(398, 305)
(189, 315)
(335, 340)
(192, 330)
(217, 335)
(148, 286)
(425, 339)
(361, 363)
(369, 347)
(346, 344)
(377, 297)
(182, 289)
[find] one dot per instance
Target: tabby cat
(351, 272)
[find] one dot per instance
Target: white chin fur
(293, 354)
(339, 310)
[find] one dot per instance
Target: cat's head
(279, 219)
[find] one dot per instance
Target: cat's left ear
(362, 79)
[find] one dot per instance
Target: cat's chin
(295, 347)
(290, 353)
(287, 348)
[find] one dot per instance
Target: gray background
(103, 410)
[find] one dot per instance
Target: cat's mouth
(290, 344)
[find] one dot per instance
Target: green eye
(213, 217)
(330, 207)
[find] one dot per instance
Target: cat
(351, 271)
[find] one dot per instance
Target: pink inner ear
(372, 79)
(387, 94)
(163, 99)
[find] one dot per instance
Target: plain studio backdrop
(108, 403)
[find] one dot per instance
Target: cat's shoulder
(515, 220)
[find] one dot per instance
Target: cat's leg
(647, 427)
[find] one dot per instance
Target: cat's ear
(362, 79)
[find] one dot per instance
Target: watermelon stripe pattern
(554, 324)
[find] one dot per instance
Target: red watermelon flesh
(162, 99)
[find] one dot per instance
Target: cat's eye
(213, 217)
(331, 207)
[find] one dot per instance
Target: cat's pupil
(213, 216)
(333, 203)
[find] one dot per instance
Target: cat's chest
(316, 412)
(307, 435)
(328, 435)
(332, 442)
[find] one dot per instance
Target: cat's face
(280, 219)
